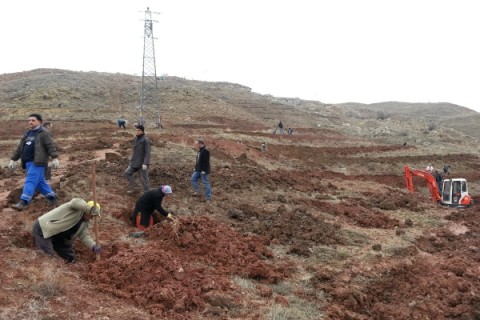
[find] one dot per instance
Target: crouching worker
(56, 230)
(143, 214)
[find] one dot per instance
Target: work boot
(52, 202)
(20, 206)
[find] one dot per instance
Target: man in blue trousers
(202, 170)
(34, 150)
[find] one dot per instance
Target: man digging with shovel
(56, 230)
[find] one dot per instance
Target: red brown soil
(307, 229)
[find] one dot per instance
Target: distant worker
(202, 170)
(35, 148)
(140, 161)
(280, 127)
(122, 123)
(56, 230)
(446, 169)
(263, 147)
(143, 214)
(429, 168)
(438, 179)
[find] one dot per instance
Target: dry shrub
(49, 285)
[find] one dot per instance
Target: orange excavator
(454, 191)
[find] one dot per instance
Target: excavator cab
(455, 193)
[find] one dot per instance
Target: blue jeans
(206, 184)
(35, 180)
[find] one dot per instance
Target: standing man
(280, 126)
(56, 230)
(439, 180)
(145, 206)
(202, 170)
(34, 150)
(140, 161)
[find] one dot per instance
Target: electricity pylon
(149, 100)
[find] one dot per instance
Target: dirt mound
(356, 214)
(187, 265)
(298, 228)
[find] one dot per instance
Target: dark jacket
(141, 152)
(44, 148)
(203, 160)
(149, 202)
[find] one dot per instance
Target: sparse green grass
(422, 219)
(244, 283)
(283, 288)
(296, 310)
(342, 254)
(355, 238)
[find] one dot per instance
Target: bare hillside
(315, 225)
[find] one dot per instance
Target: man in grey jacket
(140, 161)
(56, 230)
(34, 150)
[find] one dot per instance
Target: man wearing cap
(34, 150)
(56, 230)
(140, 160)
(142, 216)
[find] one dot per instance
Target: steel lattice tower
(150, 102)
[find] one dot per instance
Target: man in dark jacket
(202, 170)
(142, 216)
(140, 160)
(56, 230)
(34, 150)
(122, 123)
(439, 180)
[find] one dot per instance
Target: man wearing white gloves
(34, 150)
(140, 161)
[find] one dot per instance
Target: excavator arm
(432, 184)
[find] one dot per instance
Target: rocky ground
(319, 226)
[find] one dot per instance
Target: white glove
(12, 164)
(55, 163)
(144, 167)
(203, 172)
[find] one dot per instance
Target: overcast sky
(332, 51)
